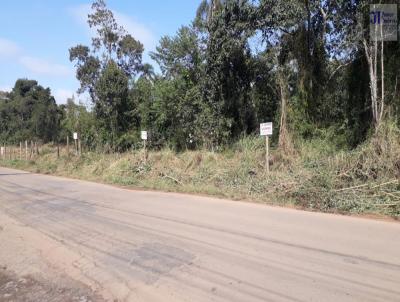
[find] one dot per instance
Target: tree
(355, 27)
(104, 70)
(112, 105)
(4, 95)
(178, 90)
(265, 92)
(76, 118)
(279, 22)
(29, 113)
(226, 88)
(180, 55)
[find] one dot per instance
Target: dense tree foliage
(76, 118)
(28, 112)
(306, 65)
(104, 71)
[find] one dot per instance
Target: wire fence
(29, 149)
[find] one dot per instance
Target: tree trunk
(371, 53)
(284, 142)
(382, 78)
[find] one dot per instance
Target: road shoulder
(34, 267)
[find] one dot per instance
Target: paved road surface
(171, 247)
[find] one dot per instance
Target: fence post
(67, 145)
(267, 153)
(26, 150)
(145, 150)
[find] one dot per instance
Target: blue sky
(35, 35)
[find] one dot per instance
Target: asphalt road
(175, 247)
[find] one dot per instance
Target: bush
(128, 141)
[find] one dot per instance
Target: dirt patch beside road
(30, 289)
(29, 271)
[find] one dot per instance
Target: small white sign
(266, 129)
(75, 135)
(143, 135)
(383, 22)
(1, 150)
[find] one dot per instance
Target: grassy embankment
(318, 177)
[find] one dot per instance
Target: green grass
(318, 177)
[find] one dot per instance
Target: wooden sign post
(266, 130)
(143, 135)
(267, 153)
(68, 145)
(76, 143)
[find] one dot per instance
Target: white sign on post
(266, 129)
(143, 135)
(75, 135)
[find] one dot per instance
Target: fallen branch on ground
(351, 188)
(386, 183)
(173, 179)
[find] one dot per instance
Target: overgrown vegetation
(311, 67)
(320, 177)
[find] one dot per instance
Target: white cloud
(41, 66)
(80, 13)
(8, 48)
(138, 30)
(5, 88)
(61, 95)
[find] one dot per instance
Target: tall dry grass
(319, 176)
